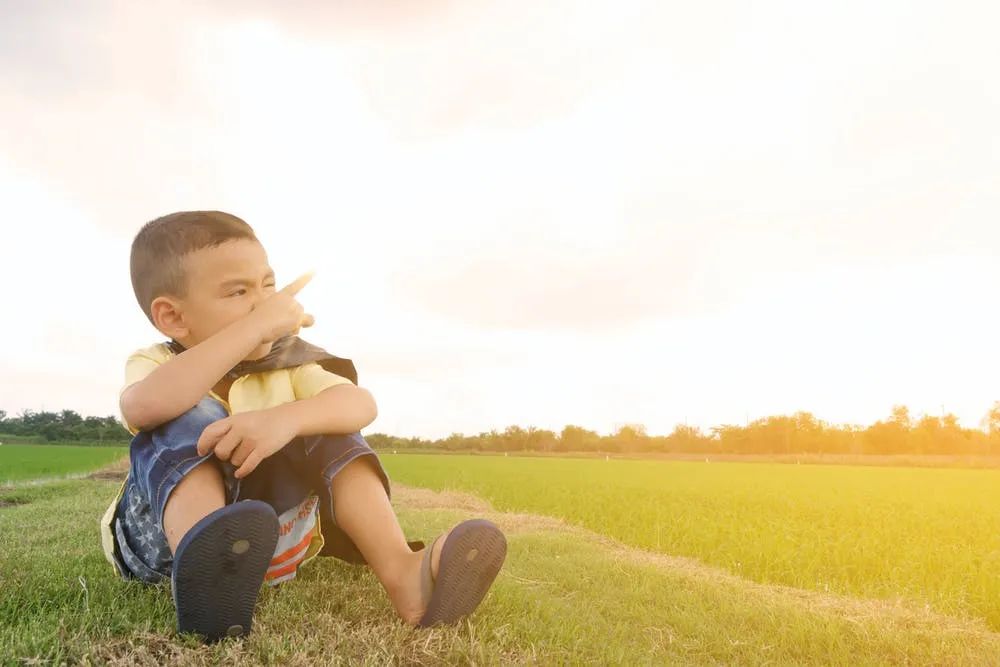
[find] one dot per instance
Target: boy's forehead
(228, 260)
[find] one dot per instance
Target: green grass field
(21, 462)
(567, 594)
(929, 535)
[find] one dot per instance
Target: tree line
(800, 433)
(65, 426)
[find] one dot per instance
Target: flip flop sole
(219, 567)
(470, 560)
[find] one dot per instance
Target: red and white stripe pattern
(297, 529)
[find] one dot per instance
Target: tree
(514, 438)
(454, 442)
(69, 418)
(927, 436)
(730, 438)
(991, 424)
(810, 434)
(577, 439)
(52, 431)
(632, 438)
(540, 440)
(687, 439)
(901, 416)
(890, 437)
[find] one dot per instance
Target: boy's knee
(206, 475)
(205, 412)
(311, 444)
(191, 423)
(170, 451)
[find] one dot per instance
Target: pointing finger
(293, 287)
(306, 321)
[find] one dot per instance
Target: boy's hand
(280, 314)
(247, 438)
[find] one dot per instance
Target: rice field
(922, 540)
(921, 534)
(24, 462)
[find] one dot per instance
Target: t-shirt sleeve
(310, 379)
(137, 366)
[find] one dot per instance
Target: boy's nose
(258, 296)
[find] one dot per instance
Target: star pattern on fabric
(142, 544)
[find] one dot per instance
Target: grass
(928, 535)
(24, 462)
(17, 439)
(893, 460)
(565, 596)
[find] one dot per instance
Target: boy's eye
(240, 292)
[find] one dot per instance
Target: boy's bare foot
(462, 566)
(405, 594)
(442, 588)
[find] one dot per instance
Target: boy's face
(224, 283)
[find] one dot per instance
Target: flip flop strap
(426, 574)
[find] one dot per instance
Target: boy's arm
(178, 384)
(247, 438)
(343, 408)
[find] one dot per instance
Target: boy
(246, 459)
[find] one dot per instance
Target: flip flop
(219, 567)
(470, 560)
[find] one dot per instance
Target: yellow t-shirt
(254, 391)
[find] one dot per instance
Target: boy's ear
(167, 318)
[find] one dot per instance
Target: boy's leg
(439, 584)
(363, 511)
(215, 554)
(180, 485)
(199, 493)
(169, 488)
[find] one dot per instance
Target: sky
(527, 213)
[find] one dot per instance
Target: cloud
(107, 108)
(429, 69)
(549, 287)
(499, 194)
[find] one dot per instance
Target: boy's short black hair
(160, 246)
